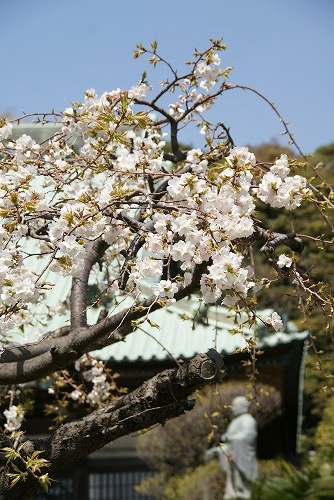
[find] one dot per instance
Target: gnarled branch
(161, 398)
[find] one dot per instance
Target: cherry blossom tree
(104, 204)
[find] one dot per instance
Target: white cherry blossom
(274, 321)
(5, 129)
(95, 179)
(14, 418)
(165, 288)
(284, 261)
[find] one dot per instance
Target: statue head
(240, 405)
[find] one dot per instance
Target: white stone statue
(237, 454)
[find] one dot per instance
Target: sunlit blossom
(165, 288)
(274, 321)
(14, 418)
(284, 261)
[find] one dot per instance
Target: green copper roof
(37, 131)
(180, 338)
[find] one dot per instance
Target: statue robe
(241, 444)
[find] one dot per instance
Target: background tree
(311, 221)
(102, 204)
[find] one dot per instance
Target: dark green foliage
(291, 483)
(325, 154)
(203, 482)
(269, 152)
(315, 264)
(324, 436)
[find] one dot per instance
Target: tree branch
(26, 363)
(159, 399)
(80, 283)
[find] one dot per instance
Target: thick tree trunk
(161, 398)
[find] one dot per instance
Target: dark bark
(79, 290)
(161, 398)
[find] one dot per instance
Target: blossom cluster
(14, 417)
(208, 72)
(214, 215)
(275, 322)
(279, 189)
(57, 197)
(96, 376)
(17, 280)
(6, 129)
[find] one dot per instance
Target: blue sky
(52, 51)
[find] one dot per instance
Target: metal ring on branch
(208, 370)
